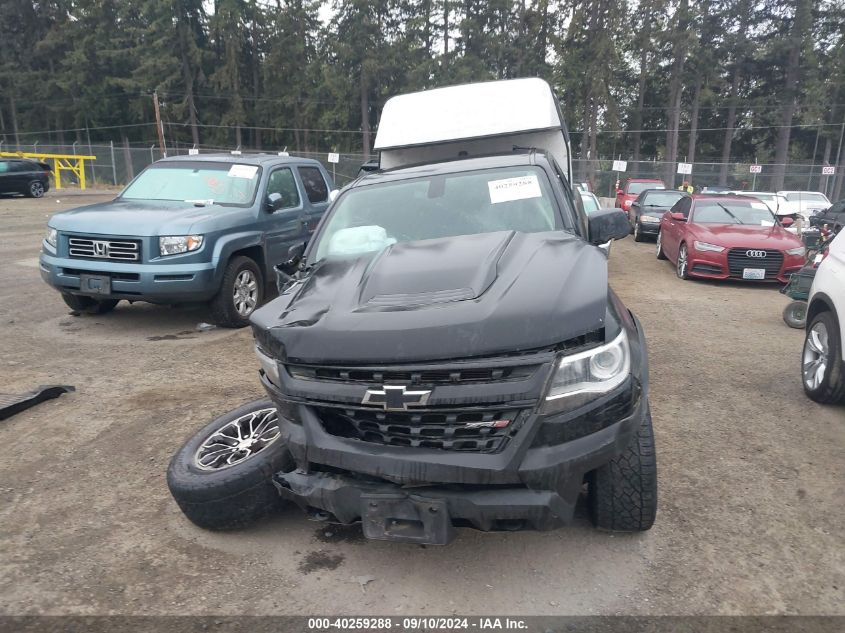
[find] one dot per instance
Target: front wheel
(659, 251)
(682, 267)
(221, 478)
(88, 305)
(821, 361)
(241, 292)
(35, 189)
(795, 314)
(622, 494)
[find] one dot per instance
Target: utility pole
(159, 126)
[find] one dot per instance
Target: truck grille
(454, 430)
(738, 259)
(122, 250)
(413, 376)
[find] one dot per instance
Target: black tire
(831, 388)
(682, 265)
(622, 494)
(89, 305)
(35, 189)
(638, 232)
(659, 245)
(234, 496)
(795, 314)
(223, 310)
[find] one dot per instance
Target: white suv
(804, 203)
(823, 359)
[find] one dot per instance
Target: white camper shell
(472, 120)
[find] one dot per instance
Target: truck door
(282, 227)
(316, 197)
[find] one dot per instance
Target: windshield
(591, 203)
(202, 181)
(732, 212)
(662, 198)
(370, 218)
(806, 197)
(639, 187)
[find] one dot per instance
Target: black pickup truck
(445, 352)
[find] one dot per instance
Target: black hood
(458, 297)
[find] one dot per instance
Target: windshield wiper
(728, 211)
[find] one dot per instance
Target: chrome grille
(122, 250)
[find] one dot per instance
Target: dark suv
(23, 176)
(448, 353)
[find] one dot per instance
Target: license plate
(753, 273)
(95, 284)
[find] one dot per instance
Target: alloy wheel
(659, 242)
(245, 293)
(682, 261)
(238, 440)
(815, 357)
(36, 189)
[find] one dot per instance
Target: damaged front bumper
(412, 493)
(535, 488)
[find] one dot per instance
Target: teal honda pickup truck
(189, 229)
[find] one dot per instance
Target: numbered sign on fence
(334, 158)
(828, 170)
(756, 169)
(684, 168)
(620, 165)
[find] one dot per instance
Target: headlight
(52, 237)
(175, 244)
(797, 251)
(704, 246)
(649, 218)
(269, 365)
(595, 371)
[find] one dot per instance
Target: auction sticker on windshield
(242, 171)
(510, 189)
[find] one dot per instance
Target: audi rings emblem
(756, 254)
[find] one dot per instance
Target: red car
(728, 237)
(632, 188)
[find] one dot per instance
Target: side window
(682, 206)
(315, 185)
(282, 182)
(20, 166)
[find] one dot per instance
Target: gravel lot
(752, 476)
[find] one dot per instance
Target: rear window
(639, 187)
(806, 197)
(662, 198)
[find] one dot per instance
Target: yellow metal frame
(61, 162)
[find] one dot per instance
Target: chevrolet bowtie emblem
(396, 397)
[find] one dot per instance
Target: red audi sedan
(728, 237)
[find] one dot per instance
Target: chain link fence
(117, 164)
(738, 176)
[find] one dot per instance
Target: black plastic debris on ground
(12, 403)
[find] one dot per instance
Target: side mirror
(275, 201)
(678, 217)
(333, 195)
(608, 224)
(786, 221)
(286, 270)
